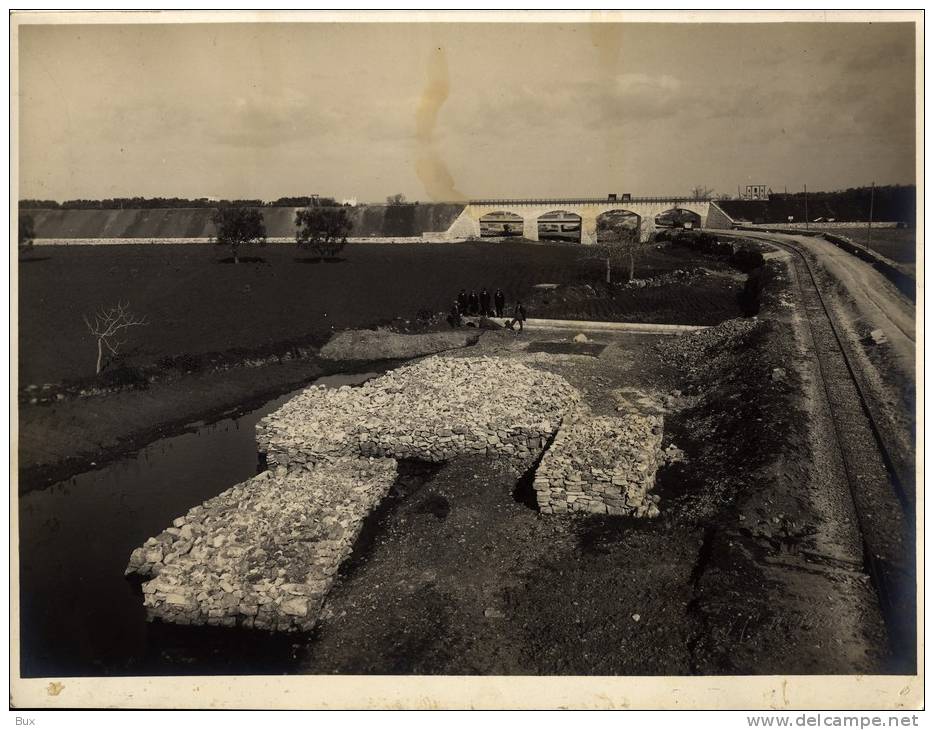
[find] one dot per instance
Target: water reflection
(78, 614)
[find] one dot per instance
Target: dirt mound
(385, 345)
(698, 352)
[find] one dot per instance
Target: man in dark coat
(484, 302)
(462, 301)
(499, 300)
(454, 318)
(473, 303)
(518, 317)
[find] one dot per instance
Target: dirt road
(875, 298)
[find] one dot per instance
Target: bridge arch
(637, 214)
(614, 225)
(500, 224)
(678, 218)
(559, 225)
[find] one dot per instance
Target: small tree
(618, 242)
(701, 192)
(109, 329)
(237, 226)
(27, 231)
(397, 199)
(323, 230)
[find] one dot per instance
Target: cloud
(269, 119)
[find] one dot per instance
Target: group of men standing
(474, 305)
(479, 305)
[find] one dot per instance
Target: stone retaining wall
(264, 553)
(602, 465)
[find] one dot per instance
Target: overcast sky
(445, 111)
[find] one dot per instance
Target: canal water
(79, 616)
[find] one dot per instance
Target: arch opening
(501, 224)
(678, 218)
(559, 225)
(615, 226)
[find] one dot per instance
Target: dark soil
(196, 306)
(462, 579)
(456, 573)
(738, 576)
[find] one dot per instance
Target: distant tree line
(889, 202)
(301, 201)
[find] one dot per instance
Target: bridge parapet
(558, 202)
(530, 210)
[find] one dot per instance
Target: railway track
(883, 494)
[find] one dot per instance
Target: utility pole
(806, 225)
(872, 196)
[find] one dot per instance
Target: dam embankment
(183, 224)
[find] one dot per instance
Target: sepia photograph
(466, 359)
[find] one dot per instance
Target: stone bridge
(562, 218)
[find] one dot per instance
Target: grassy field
(897, 244)
(195, 304)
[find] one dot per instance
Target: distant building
(349, 201)
(757, 192)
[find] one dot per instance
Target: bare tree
(397, 199)
(110, 327)
(618, 242)
(701, 192)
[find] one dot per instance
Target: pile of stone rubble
(602, 465)
(697, 351)
(433, 410)
(264, 553)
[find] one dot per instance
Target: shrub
(750, 298)
(185, 363)
(125, 376)
(745, 259)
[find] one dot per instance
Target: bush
(185, 363)
(750, 298)
(703, 242)
(747, 260)
(125, 376)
